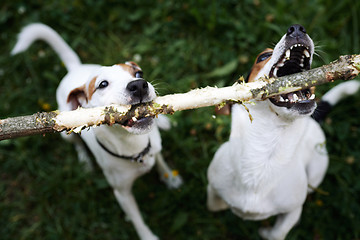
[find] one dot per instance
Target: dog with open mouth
(124, 152)
(271, 163)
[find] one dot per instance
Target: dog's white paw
(172, 179)
(150, 237)
(84, 158)
(269, 234)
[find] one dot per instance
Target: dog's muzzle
(295, 58)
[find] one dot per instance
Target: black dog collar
(138, 157)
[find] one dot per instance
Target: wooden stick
(345, 68)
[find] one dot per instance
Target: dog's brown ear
(133, 65)
(77, 97)
(260, 62)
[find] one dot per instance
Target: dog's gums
(288, 100)
(138, 122)
(295, 59)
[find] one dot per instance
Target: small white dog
(270, 164)
(123, 152)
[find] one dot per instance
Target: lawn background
(180, 45)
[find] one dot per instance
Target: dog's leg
(82, 152)
(171, 177)
(214, 202)
(128, 204)
(283, 225)
(83, 156)
(316, 168)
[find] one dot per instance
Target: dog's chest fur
(261, 157)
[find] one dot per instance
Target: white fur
(120, 173)
(341, 91)
(267, 164)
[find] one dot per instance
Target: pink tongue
(130, 123)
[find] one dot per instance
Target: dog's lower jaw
(139, 126)
(294, 112)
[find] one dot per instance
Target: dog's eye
(103, 84)
(139, 74)
(263, 57)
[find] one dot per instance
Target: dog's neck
(266, 144)
(121, 142)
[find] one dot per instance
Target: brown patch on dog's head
(130, 67)
(77, 97)
(259, 63)
(91, 88)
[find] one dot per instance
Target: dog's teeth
(134, 119)
(287, 53)
(295, 97)
(306, 53)
(281, 99)
(312, 97)
(275, 72)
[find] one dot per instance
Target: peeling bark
(345, 68)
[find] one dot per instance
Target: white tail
(333, 96)
(39, 31)
(163, 122)
(341, 91)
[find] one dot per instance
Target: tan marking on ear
(75, 95)
(258, 66)
(91, 88)
(130, 67)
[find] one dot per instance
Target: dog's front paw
(150, 237)
(269, 234)
(172, 179)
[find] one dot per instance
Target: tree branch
(345, 68)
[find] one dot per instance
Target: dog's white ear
(77, 97)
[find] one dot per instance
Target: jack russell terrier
(123, 152)
(270, 164)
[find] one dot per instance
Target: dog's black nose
(296, 31)
(138, 88)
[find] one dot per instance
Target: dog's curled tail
(333, 96)
(39, 31)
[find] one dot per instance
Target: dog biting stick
(345, 68)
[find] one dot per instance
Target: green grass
(45, 194)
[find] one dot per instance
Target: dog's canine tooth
(281, 99)
(312, 97)
(287, 53)
(134, 119)
(306, 53)
(275, 72)
(295, 97)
